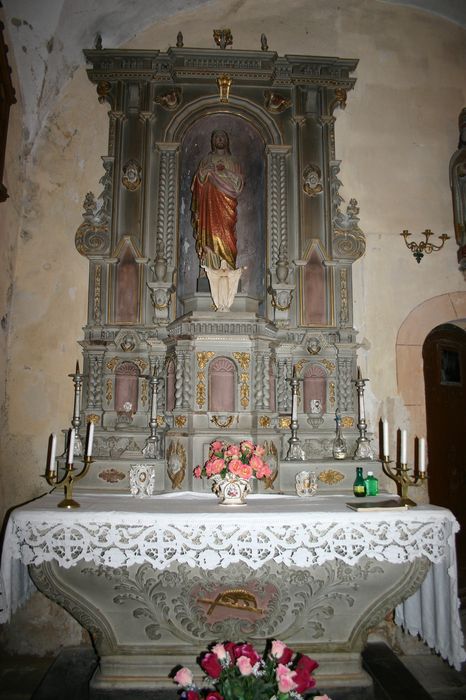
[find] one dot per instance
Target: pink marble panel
(314, 297)
(315, 387)
(127, 288)
(126, 387)
(222, 385)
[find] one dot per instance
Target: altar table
(161, 564)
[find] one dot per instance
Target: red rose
(230, 648)
(190, 695)
(248, 651)
(211, 665)
(213, 695)
(286, 656)
(306, 663)
(303, 679)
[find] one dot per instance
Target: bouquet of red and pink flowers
(238, 672)
(244, 461)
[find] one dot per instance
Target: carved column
(277, 214)
(95, 368)
(167, 196)
(259, 381)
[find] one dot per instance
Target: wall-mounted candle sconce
(423, 247)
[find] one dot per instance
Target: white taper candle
(90, 438)
(404, 447)
(53, 451)
(385, 446)
(422, 455)
(70, 457)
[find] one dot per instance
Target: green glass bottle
(372, 484)
(359, 486)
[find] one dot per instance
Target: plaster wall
(395, 139)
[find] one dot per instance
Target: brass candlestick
(68, 480)
(295, 451)
(400, 474)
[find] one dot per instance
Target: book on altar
(389, 504)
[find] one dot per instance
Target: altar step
(68, 676)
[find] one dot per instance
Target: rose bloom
(256, 462)
(321, 697)
(263, 471)
(235, 466)
(303, 679)
(246, 650)
(211, 665)
(232, 451)
(219, 651)
(259, 450)
(216, 446)
(245, 471)
(190, 695)
(247, 446)
(198, 472)
(244, 665)
(217, 465)
(184, 677)
(281, 652)
(213, 695)
(285, 680)
(306, 663)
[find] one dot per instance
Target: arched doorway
(444, 357)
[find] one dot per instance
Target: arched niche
(251, 130)
(222, 385)
(314, 387)
(126, 388)
(127, 283)
(315, 277)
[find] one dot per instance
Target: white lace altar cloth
(189, 528)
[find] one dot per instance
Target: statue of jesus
(216, 186)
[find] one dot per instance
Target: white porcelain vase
(230, 490)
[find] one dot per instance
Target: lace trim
(212, 545)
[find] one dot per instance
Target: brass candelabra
(423, 247)
(67, 481)
(400, 474)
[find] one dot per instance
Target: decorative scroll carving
(284, 422)
(176, 464)
(347, 422)
(95, 381)
(112, 476)
(223, 38)
(223, 422)
(339, 100)
(93, 236)
(109, 391)
(312, 180)
(276, 103)
(97, 293)
(331, 394)
(343, 296)
(170, 100)
(244, 389)
(348, 240)
(242, 358)
(271, 455)
(329, 365)
(264, 421)
(180, 421)
(131, 175)
(330, 477)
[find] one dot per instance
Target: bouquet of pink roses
(244, 460)
(238, 672)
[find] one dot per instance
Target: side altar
(156, 580)
(219, 160)
(220, 307)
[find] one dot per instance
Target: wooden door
(444, 355)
